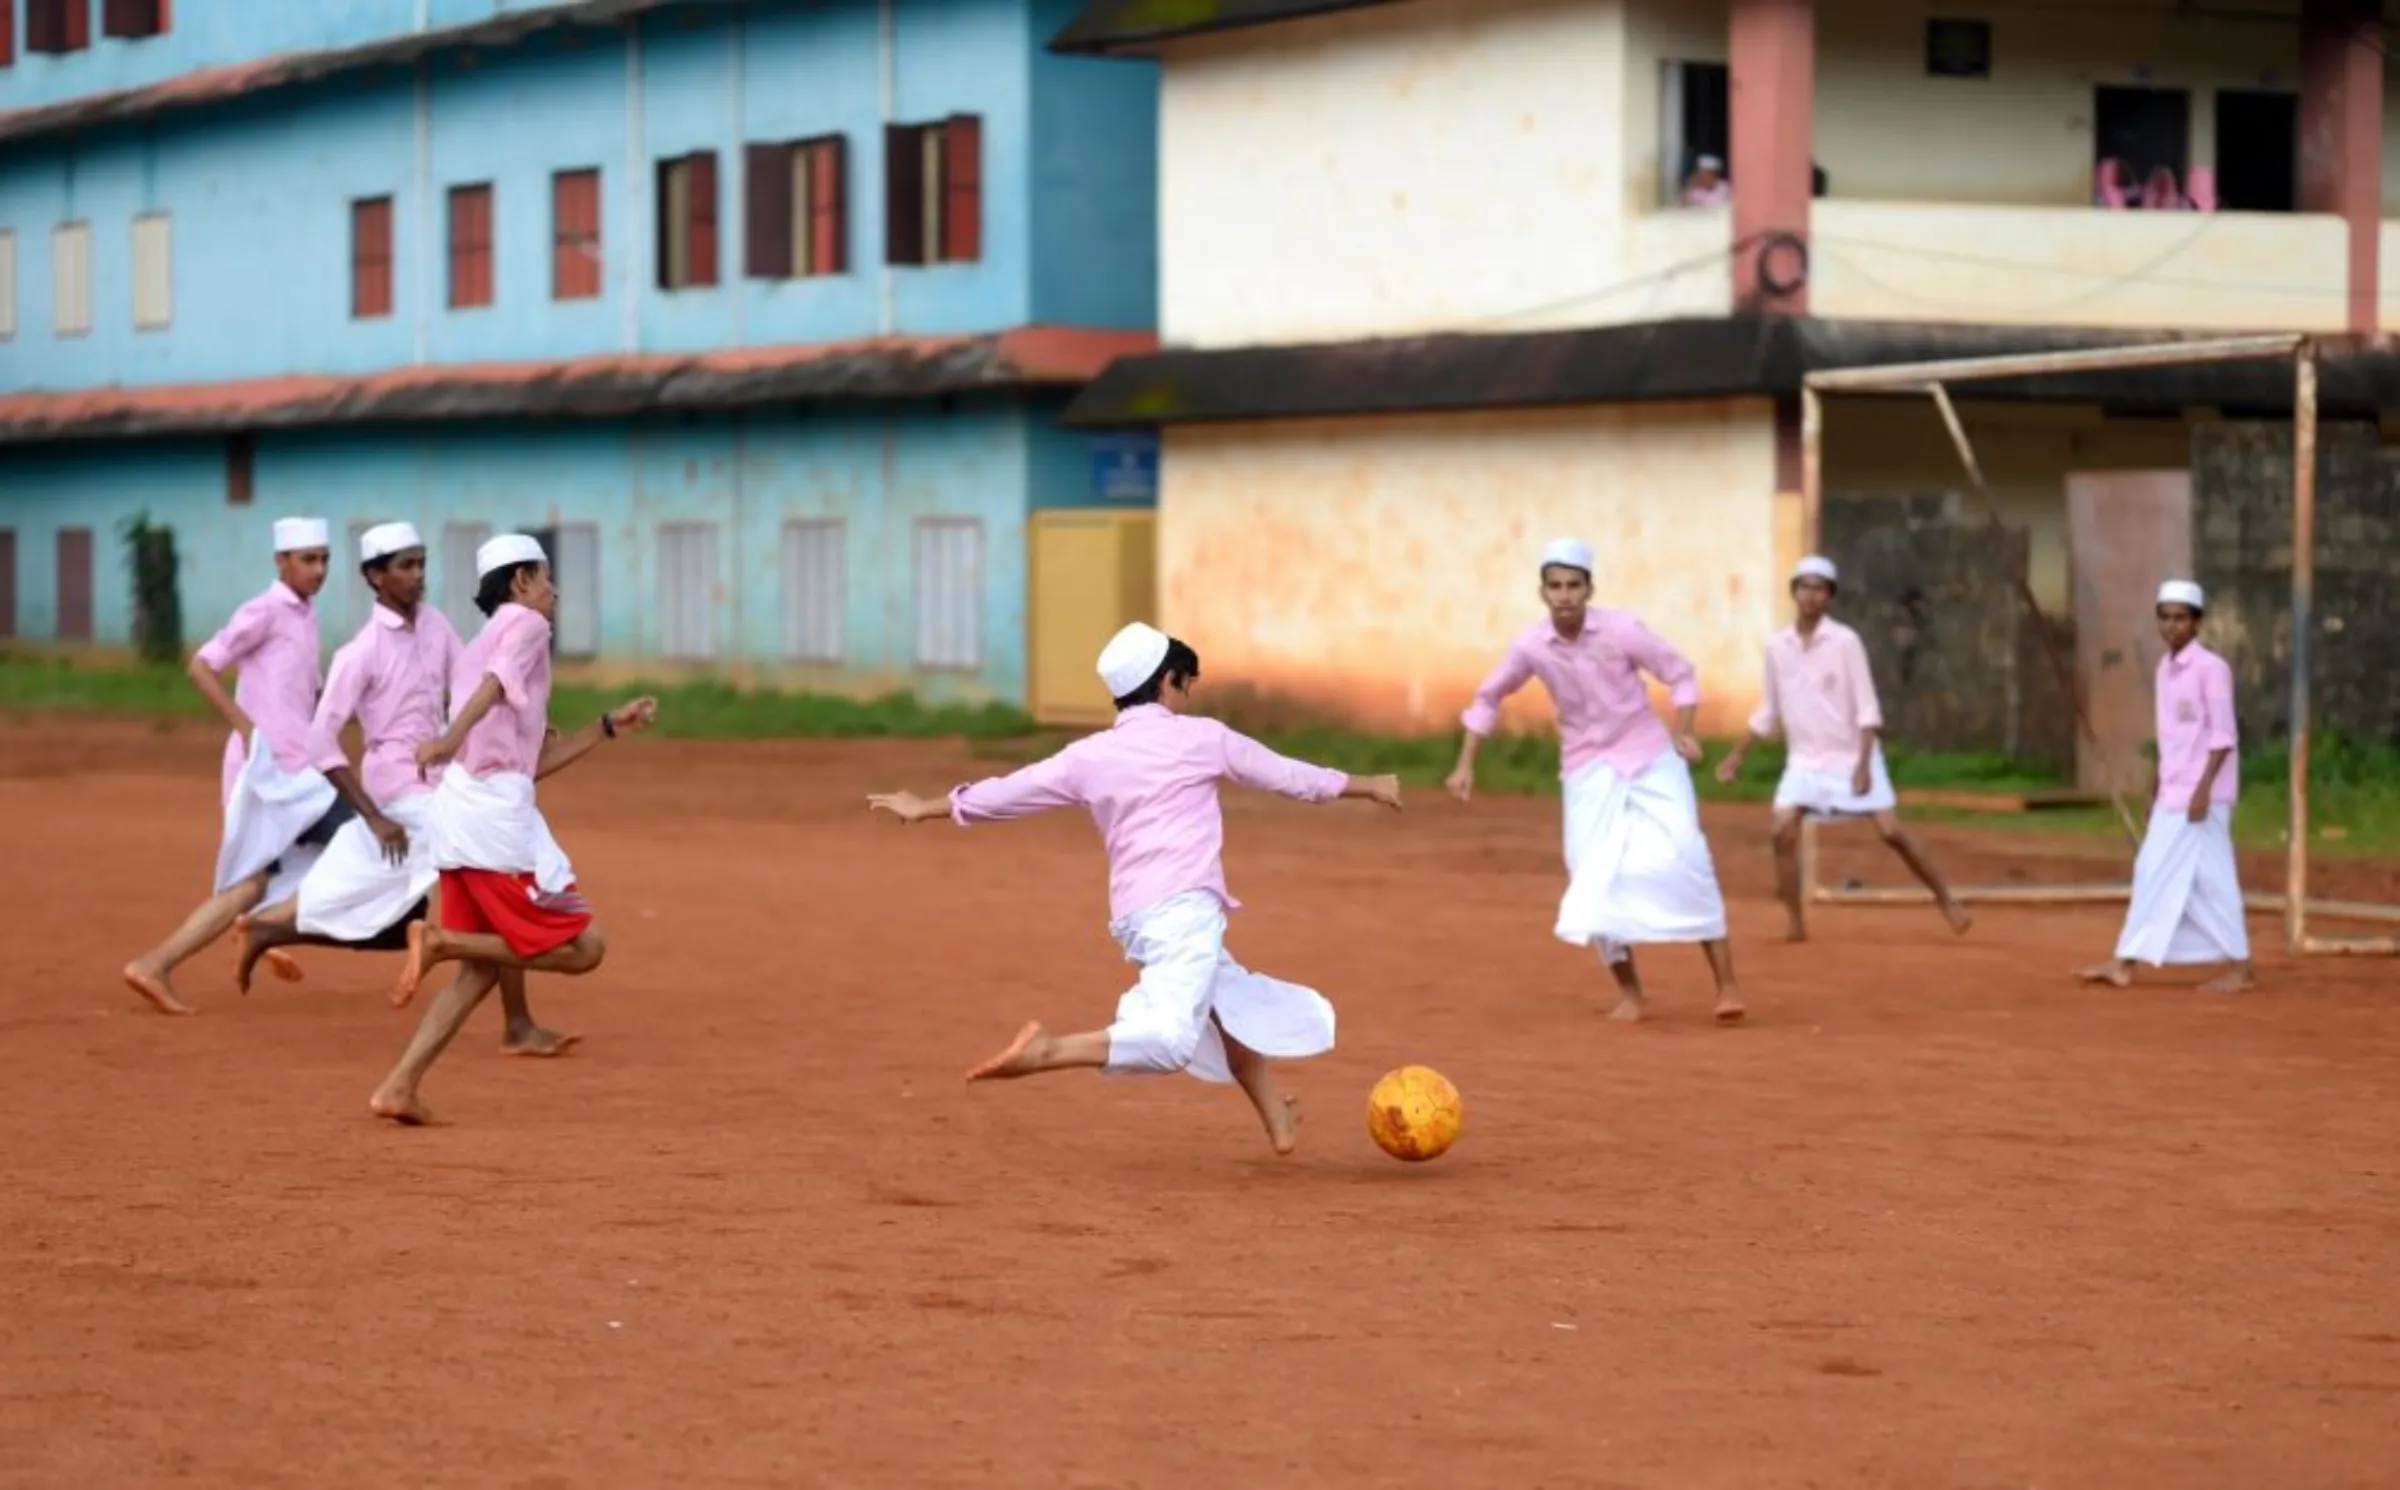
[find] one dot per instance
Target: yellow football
(1414, 1113)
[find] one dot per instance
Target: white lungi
(2187, 893)
(486, 822)
(1638, 868)
(1828, 794)
(1163, 1022)
(354, 894)
(269, 809)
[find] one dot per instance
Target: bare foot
(1795, 931)
(1628, 1010)
(2115, 974)
(1729, 1007)
(155, 988)
(400, 1107)
(283, 965)
(412, 972)
(2236, 981)
(1283, 1126)
(1023, 1057)
(1957, 916)
(246, 953)
(536, 1041)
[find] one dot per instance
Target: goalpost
(1932, 379)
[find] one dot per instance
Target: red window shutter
(962, 189)
(8, 583)
(829, 206)
(74, 584)
(79, 35)
(470, 246)
(8, 54)
(241, 467)
(767, 211)
(46, 26)
(371, 258)
(903, 194)
(133, 18)
(575, 234)
(704, 217)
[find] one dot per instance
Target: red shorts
(513, 908)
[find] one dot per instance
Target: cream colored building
(1430, 294)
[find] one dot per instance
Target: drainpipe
(422, 109)
(885, 54)
(638, 244)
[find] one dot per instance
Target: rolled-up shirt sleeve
(2216, 703)
(1044, 785)
(1767, 718)
(1867, 707)
(238, 638)
(1255, 766)
(1482, 716)
(1660, 660)
(343, 688)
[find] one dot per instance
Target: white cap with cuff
(1574, 553)
(505, 550)
(1815, 566)
(295, 533)
(386, 539)
(1130, 657)
(2181, 592)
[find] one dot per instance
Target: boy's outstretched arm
(1021, 793)
(1254, 765)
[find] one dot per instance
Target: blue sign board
(1125, 468)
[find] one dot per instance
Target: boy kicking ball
(1150, 783)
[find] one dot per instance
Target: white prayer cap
(292, 533)
(386, 539)
(1130, 657)
(1815, 566)
(2180, 592)
(1709, 163)
(1572, 552)
(505, 550)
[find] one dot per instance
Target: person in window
(1707, 186)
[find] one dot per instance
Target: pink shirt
(392, 677)
(513, 646)
(2195, 718)
(1150, 782)
(273, 640)
(1595, 682)
(1821, 694)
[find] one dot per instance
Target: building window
(370, 258)
(133, 19)
(8, 35)
(74, 585)
(687, 221)
(815, 590)
(575, 235)
(56, 27)
(575, 566)
(949, 581)
(8, 584)
(8, 280)
(470, 246)
(71, 278)
(459, 583)
(241, 467)
(153, 271)
(687, 590)
(933, 191)
(796, 222)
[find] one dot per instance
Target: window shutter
(73, 621)
(79, 24)
(903, 195)
(767, 211)
(962, 189)
(704, 217)
(45, 26)
(829, 216)
(132, 18)
(8, 54)
(371, 257)
(8, 582)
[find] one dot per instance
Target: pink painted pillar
(2341, 134)
(1773, 44)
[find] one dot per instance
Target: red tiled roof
(585, 387)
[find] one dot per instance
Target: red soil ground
(1935, 1217)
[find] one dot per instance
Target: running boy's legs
(1789, 823)
(151, 974)
(1036, 1051)
(397, 1098)
(521, 1035)
(1887, 823)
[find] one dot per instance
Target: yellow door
(1089, 573)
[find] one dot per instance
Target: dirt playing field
(1935, 1217)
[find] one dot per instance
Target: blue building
(764, 311)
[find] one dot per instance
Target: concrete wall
(877, 469)
(259, 198)
(1373, 570)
